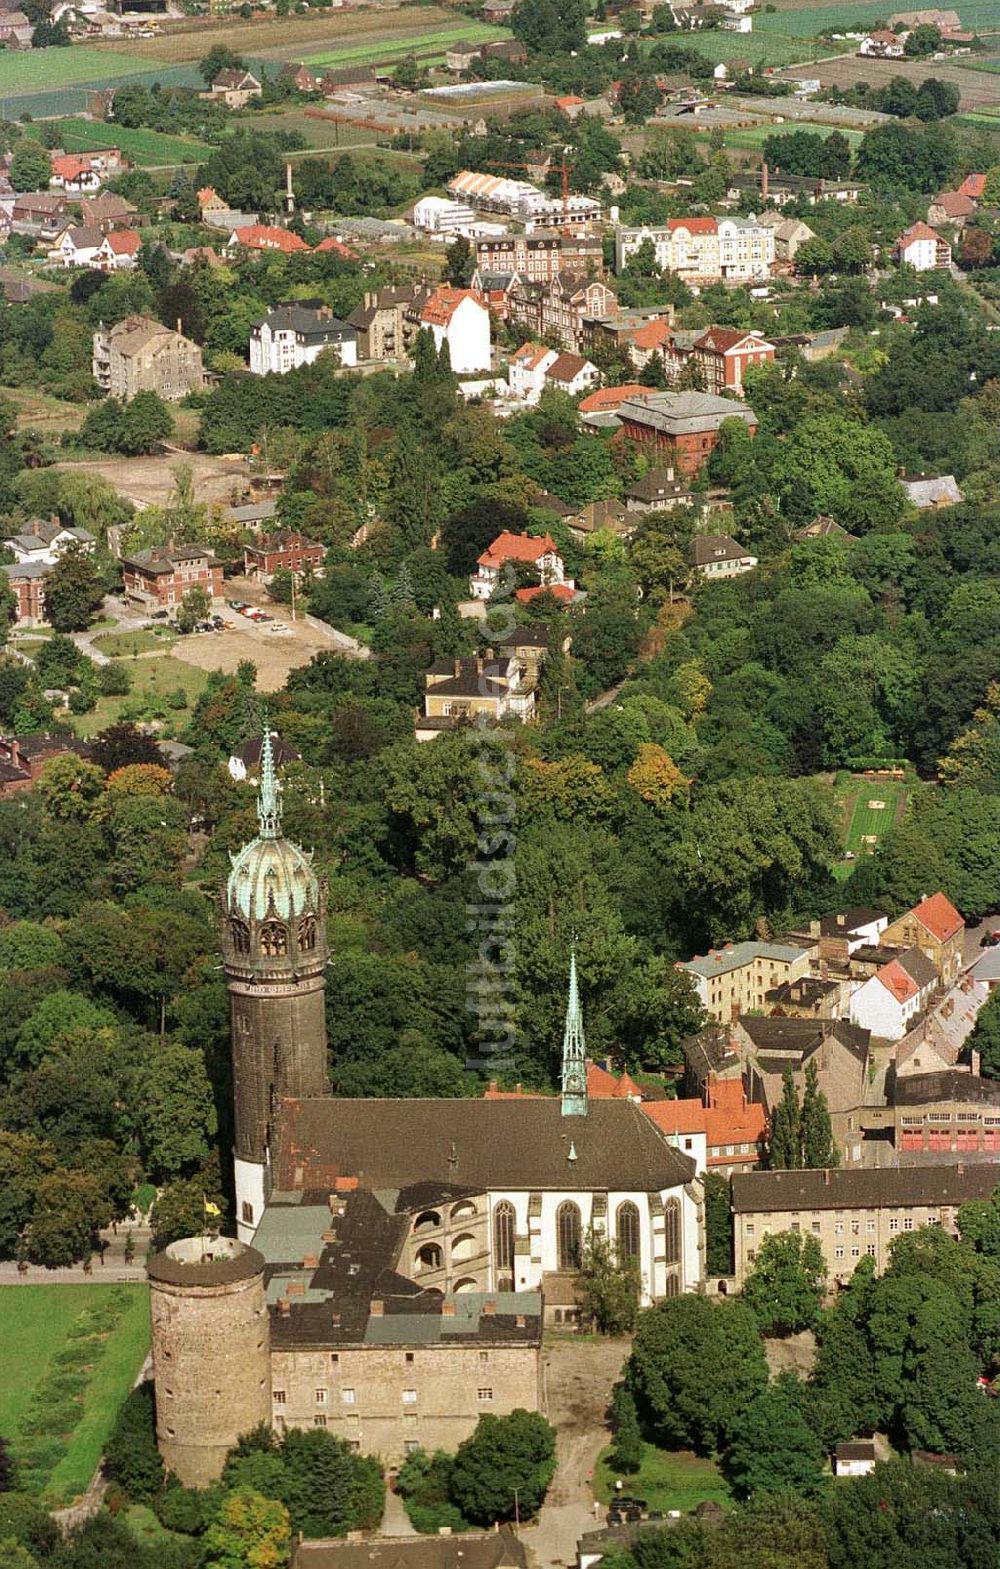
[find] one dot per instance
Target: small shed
(854, 1459)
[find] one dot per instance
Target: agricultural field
(870, 808)
(767, 49)
(977, 15)
(321, 133)
(390, 46)
(753, 137)
(68, 1357)
(148, 149)
(37, 69)
(978, 90)
(39, 411)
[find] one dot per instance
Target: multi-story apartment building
(141, 355)
(733, 980)
(388, 321)
(296, 335)
(702, 249)
(537, 257)
(852, 1212)
(163, 574)
(724, 355)
(936, 928)
(560, 308)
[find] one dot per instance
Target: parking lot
(276, 647)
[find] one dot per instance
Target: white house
(526, 371)
(922, 249)
(438, 215)
(572, 373)
(857, 1459)
(44, 541)
(76, 247)
(296, 335)
(889, 1001)
(459, 318)
(508, 549)
(883, 45)
(119, 251)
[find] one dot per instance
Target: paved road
(111, 1271)
(395, 1520)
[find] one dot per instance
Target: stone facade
(211, 1352)
(390, 1400)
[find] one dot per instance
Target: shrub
(27, 1522)
(114, 679)
(131, 1457)
(177, 698)
(82, 699)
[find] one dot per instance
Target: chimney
(960, 1168)
(310, 1261)
(520, 1321)
(284, 1308)
(179, 329)
(841, 920)
(289, 193)
(826, 1177)
(376, 1308)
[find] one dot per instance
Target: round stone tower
(211, 1352)
(275, 957)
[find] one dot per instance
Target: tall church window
(274, 940)
(627, 1231)
(672, 1232)
(503, 1244)
(568, 1235)
(239, 933)
(307, 933)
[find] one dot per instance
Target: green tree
(784, 1288)
(68, 1210)
(718, 1225)
(460, 262)
(177, 1121)
(194, 607)
(131, 1457)
(179, 1210)
(219, 58)
(607, 1287)
(695, 1366)
(784, 1151)
(251, 1532)
(30, 166)
(627, 1446)
(73, 591)
(819, 1148)
(505, 1467)
(924, 39)
(773, 1448)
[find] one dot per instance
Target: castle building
(397, 1259)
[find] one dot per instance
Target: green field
(808, 21)
(756, 135)
(766, 49)
(47, 1322)
(862, 819)
(35, 70)
(142, 147)
(667, 1479)
(439, 38)
(153, 680)
(125, 645)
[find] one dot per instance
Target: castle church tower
(574, 1057)
(275, 956)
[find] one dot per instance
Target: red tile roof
(561, 591)
(568, 101)
(724, 339)
(916, 231)
(263, 237)
(939, 916)
(602, 1085)
(676, 1116)
(68, 165)
(124, 242)
(652, 334)
(331, 244)
(443, 304)
(973, 185)
(516, 547)
(954, 204)
(530, 354)
(608, 399)
(896, 981)
(693, 225)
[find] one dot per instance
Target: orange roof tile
(916, 231)
(516, 547)
(973, 185)
(530, 354)
(676, 1116)
(331, 244)
(443, 304)
(693, 225)
(263, 237)
(607, 399)
(124, 242)
(896, 981)
(652, 334)
(561, 591)
(939, 916)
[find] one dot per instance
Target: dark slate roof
(950, 1084)
(853, 1187)
(482, 1144)
(802, 1036)
(705, 548)
(843, 922)
(248, 752)
(224, 1271)
(310, 325)
(916, 964)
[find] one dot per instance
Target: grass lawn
(124, 645)
(756, 135)
(142, 146)
(37, 69)
(152, 680)
(40, 411)
(394, 48)
(37, 1321)
(863, 817)
(667, 1479)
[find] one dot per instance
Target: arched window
(429, 1257)
(503, 1244)
(427, 1220)
(239, 933)
(672, 1232)
(307, 933)
(673, 1286)
(627, 1231)
(568, 1235)
(274, 940)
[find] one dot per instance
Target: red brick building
(285, 551)
(162, 575)
(724, 353)
(681, 428)
(27, 580)
(23, 757)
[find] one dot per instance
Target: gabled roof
(330, 243)
(262, 236)
(725, 339)
(560, 591)
(607, 399)
(916, 231)
(652, 334)
(444, 302)
(530, 355)
(938, 916)
(706, 548)
(897, 981)
(516, 547)
(567, 367)
(954, 204)
(973, 185)
(123, 242)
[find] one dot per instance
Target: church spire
(269, 795)
(574, 1058)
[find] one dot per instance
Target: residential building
(565, 594)
(526, 371)
(921, 248)
(725, 1124)
(524, 201)
(608, 400)
(458, 690)
(235, 88)
(501, 1549)
(536, 257)
(40, 214)
(824, 528)
(883, 44)
(558, 309)
(118, 251)
(845, 931)
(768, 1047)
(107, 212)
(294, 335)
(538, 552)
(244, 762)
(26, 580)
(725, 354)
(610, 514)
(855, 1459)
(974, 185)
(22, 758)
(388, 321)
(731, 981)
(852, 1212)
(163, 574)
(714, 556)
(284, 551)
(437, 215)
(266, 237)
(76, 247)
(46, 539)
(572, 374)
(682, 428)
(950, 1112)
(657, 491)
(790, 234)
(142, 355)
(923, 491)
(459, 318)
(16, 30)
(986, 969)
(702, 249)
(936, 928)
(890, 1000)
(74, 174)
(810, 997)
(950, 207)
(941, 1040)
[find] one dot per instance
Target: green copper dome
(270, 875)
